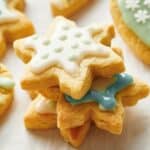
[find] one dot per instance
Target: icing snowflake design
(147, 3)
(132, 4)
(141, 16)
(139, 9)
(65, 49)
(6, 15)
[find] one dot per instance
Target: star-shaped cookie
(74, 121)
(68, 57)
(67, 7)
(13, 23)
(6, 89)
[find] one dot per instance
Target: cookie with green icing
(132, 19)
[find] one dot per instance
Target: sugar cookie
(132, 19)
(84, 57)
(13, 23)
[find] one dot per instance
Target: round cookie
(6, 89)
(132, 19)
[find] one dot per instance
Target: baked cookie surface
(132, 20)
(13, 23)
(6, 90)
(72, 63)
(73, 119)
(67, 8)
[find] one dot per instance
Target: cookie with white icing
(74, 117)
(132, 19)
(68, 57)
(67, 7)
(13, 23)
(6, 90)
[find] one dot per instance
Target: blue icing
(105, 98)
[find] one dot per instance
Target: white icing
(132, 4)
(140, 9)
(65, 49)
(142, 16)
(147, 3)
(44, 106)
(6, 15)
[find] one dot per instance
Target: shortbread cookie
(67, 8)
(13, 24)
(17, 4)
(132, 19)
(6, 89)
(75, 116)
(41, 114)
(69, 60)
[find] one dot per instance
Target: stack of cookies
(76, 78)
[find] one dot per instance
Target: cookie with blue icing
(13, 23)
(74, 116)
(132, 19)
(6, 89)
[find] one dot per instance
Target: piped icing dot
(44, 106)
(136, 15)
(72, 57)
(78, 34)
(45, 55)
(58, 49)
(65, 49)
(87, 42)
(46, 42)
(105, 98)
(63, 37)
(6, 15)
(75, 45)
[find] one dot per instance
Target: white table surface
(136, 132)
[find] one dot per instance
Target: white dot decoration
(68, 45)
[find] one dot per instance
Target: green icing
(6, 83)
(141, 29)
(105, 98)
